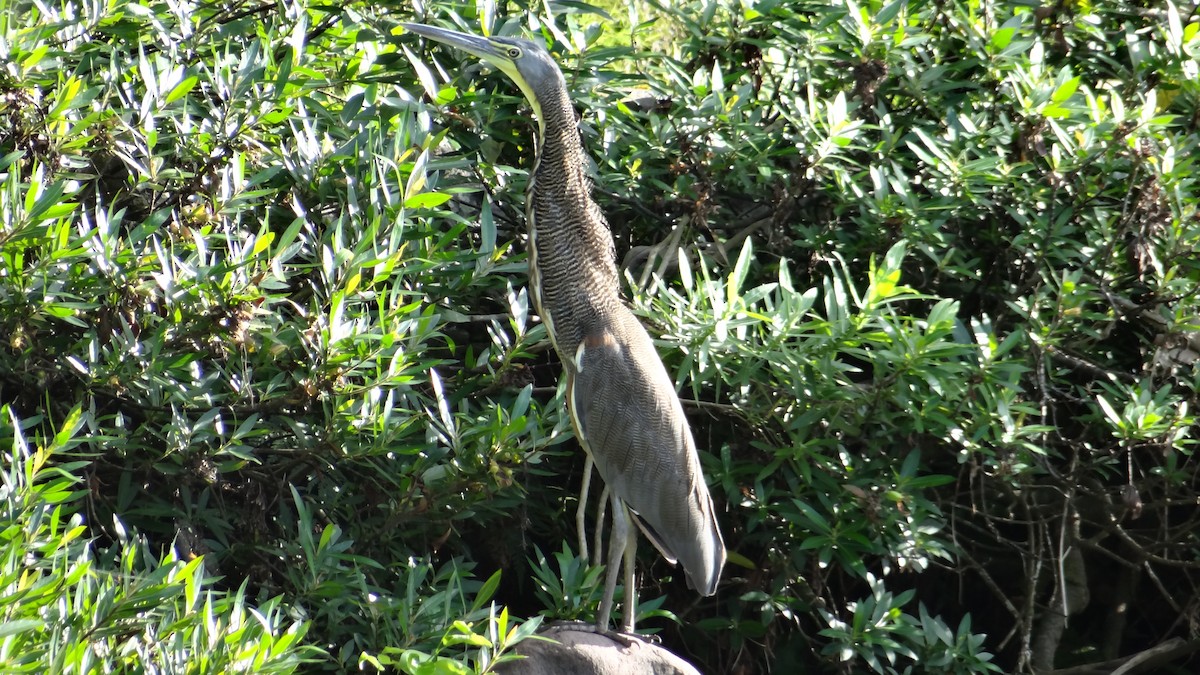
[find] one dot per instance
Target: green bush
(70, 605)
(275, 397)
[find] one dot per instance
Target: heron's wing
(631, 422)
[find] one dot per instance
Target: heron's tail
(703, 570)
(701, 552)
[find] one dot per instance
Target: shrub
(926, 275)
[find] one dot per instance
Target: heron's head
(526, 63)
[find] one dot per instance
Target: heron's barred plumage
(622, 402)
(573, 263)
(577, 287)
(649, 458)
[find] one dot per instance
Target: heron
(621, 401)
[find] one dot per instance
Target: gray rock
(577, 649)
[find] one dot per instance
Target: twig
(1082, 364)
(1115, 527)
(1148, 660)
(992, 585)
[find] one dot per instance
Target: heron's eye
(514, 53)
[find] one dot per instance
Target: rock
(577, 649)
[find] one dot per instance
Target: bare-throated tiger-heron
(621, 401)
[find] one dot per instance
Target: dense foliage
(274, 399)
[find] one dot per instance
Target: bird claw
(628, 639)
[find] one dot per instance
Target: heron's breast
(536, 281)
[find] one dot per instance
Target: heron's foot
(626, 639)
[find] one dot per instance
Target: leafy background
(274, 398)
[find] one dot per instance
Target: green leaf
(890, 12)
(741, 269)
(1004, 35)
(262, 243)
(1190, 31)
(1065, 90)
(487, 228)
(816, 519)
(289, 236)
(486, 591)
(426, 200)
(1110, 412)
(180, 90)
(39, 199)
(17, 626)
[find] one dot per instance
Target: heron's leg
(581, 511)
(616, 550)
(630, 586)
(601, 509)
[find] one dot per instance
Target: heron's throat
(560, 157)
(561, 209)
(573, 263)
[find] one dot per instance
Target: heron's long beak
(493, 53)
(473, 44)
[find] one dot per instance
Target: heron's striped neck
(572, 260)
